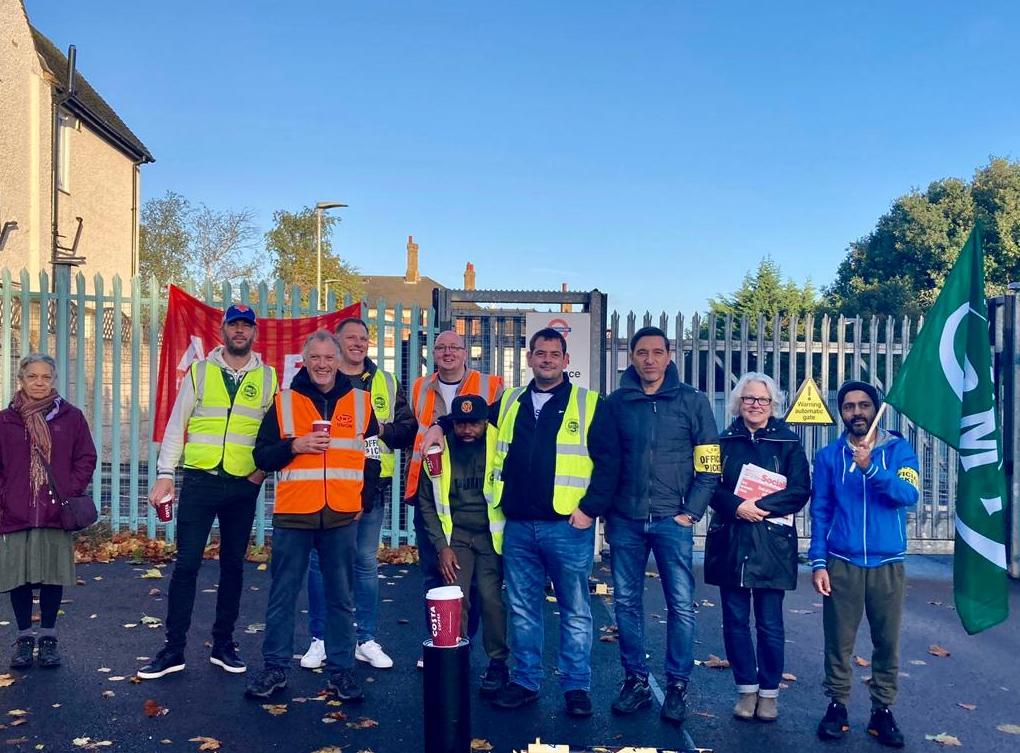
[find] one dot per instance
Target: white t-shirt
(539, 399)
(449, 391)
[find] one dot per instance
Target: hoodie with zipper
(861, 516)
(273, 453)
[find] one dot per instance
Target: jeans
(291, 547)
(534, 550)
(366, 579)
(203, 498)
(754, 671)
(630, 541)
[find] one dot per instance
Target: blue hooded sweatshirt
(862, 517)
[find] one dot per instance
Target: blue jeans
(366, 580)
(291, 547)
(534, 550)
(762, 673)
(630, 541)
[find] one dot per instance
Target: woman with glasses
(751, 548)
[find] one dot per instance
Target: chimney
(412, 274)
(565, 308)
(469, 277)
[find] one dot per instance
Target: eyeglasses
(447, 348)
(748, 400)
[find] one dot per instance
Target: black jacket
(530, 463)
(273, 453)
(658, 434)
(739, 554)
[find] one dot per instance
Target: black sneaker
(834, 724)
(226, 656)
(634, 695)
(513, 696)
(674, 707)
(345, 686)
(23, 650)
(167, 660)
(882, 725)
(266, 682)
(494, 679)
(578, 703)
(49, 657)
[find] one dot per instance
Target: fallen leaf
(275, 709)
(17, 741)
(104, 669)
(18, 722)
(609, 638)
(6, 681)
(783, 686)
(918, 662)
(154, 592)
(135, 680)
(207, 743)
(944, 738)
(108, 694)
(551, 598)
(1009, 729)
(152, 709)
(131, 625)
(714, 662)
(967, 706)
(257, 627)
(707, 603)
(154, 574)
(860, 661)
(327, 720)
(937, 650)
(789, 677)
(330, 749)
(480, 744)
(17, 712)
(802, 611)
(150, 621)
(93, 616)
(263, 566)
(363, 723)
(337, 716)
(116, 678)
(334, 703)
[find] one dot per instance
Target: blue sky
(653, 150)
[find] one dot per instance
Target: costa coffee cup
(321, 425)
(165, 508)
(434, 460)
(444, 605)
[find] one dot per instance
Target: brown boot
(745, 706)
(768, 709)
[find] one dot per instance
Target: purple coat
(72, 459)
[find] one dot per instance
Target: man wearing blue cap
(214, 422)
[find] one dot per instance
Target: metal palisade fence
(105, 337)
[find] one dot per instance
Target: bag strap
(49, 475)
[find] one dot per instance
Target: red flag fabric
(192, 329)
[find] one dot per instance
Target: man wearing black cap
(467, 532)
(863, 486)
(214, 422)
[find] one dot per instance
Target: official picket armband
(707, 458)
(909, 475)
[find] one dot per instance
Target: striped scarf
(33, 413)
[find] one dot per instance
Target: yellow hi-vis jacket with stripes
(441, 493)
(384, 400)
(221, 431)
(573, 465)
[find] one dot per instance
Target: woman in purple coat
(39, 428)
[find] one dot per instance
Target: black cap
(469, 408)
(852, 385)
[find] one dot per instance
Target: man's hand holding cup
(315, 442)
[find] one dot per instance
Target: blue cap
(238, 311)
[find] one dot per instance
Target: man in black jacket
(317, 505)
(554, 471)
(668, 473)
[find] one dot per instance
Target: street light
(320, 207)
(327, 283)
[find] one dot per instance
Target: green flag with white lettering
(945, 386)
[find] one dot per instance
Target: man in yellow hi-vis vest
(214, 422)
(467, 531)
(554, 471)
(397, 429)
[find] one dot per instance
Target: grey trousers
(478, 560)
(856, 591)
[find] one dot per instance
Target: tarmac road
(204, 701)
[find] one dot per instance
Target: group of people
(509, 508)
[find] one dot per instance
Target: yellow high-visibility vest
(441, 493)
(384, 400)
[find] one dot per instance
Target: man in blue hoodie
(862, 489)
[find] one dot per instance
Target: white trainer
(372, 652)
(315, 657)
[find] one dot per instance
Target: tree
(291, 245)
(763, 292)
(178, 240)
(899, 267)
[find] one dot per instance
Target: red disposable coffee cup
(444, 605)
(165, 508)
(434, 460)
(321, 425)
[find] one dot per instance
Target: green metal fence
(105, 337)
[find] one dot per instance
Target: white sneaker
(316, 655)
(372, 652)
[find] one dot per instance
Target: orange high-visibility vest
(334, 478)
(423, 400)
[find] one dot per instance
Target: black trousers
(205, 497)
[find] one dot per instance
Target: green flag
(945, 386)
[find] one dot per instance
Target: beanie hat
(849, 386)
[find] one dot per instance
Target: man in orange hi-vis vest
(431, 398)
(321, 437)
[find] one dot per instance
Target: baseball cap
(238, 311)
(469, 408)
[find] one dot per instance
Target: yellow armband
(707, 458)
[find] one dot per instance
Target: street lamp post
(320, 207)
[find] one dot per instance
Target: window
(65, 124)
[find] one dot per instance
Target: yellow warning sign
(808, 406)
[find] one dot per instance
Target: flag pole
(871, 430)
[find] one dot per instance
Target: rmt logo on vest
(345, 420)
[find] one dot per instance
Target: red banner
(192, 329)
